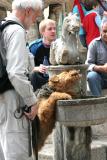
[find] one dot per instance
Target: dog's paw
(60, 95)
(66, 96)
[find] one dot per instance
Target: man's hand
(42, 69)
(33, 112)
(105, 67)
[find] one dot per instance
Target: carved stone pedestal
(72, 143)
(72, 136)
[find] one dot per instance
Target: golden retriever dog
(56, 89)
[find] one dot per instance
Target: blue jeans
(97, 81)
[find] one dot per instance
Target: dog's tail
(44, 132)
(40, 132)
(35, 135)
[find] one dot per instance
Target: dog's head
(65, 80)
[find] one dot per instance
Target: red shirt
(90, 27)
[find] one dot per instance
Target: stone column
(33, 33)
(56, 13)
(68, 5)
(72, 143)
(5, 5)
(2, 12)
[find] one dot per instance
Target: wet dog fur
(56, 89)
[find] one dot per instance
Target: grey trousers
(13, 132)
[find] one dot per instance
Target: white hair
(23, 4)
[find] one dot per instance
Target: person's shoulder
(35, 45)
(90, 12)
(11, 22)
(36, 42)
(98, 38)
(95, 42)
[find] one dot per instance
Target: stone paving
(46, 153)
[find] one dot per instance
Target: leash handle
(18, 113)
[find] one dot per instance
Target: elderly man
(97, 61)
(14, 132)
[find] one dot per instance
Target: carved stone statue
(65, 50)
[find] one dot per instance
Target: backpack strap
(6, 23)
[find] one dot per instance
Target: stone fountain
(72, 135)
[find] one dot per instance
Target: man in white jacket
(14, 132)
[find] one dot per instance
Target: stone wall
(4, 6)
(57, 11)
(50, 2)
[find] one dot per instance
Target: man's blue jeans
(97, 81)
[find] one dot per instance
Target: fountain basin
(81, 86)
(82, 112)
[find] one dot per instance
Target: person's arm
(17, 64)
(100, 68)
(42, 68)
(92, 58)
(33, 47)
(75, 10)
(91, 55)
(98, 21)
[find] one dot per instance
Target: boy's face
(49, 33)
(104, 32)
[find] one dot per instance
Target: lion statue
(67, 49)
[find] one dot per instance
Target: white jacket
(18, 61)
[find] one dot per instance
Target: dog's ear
(54, 79)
